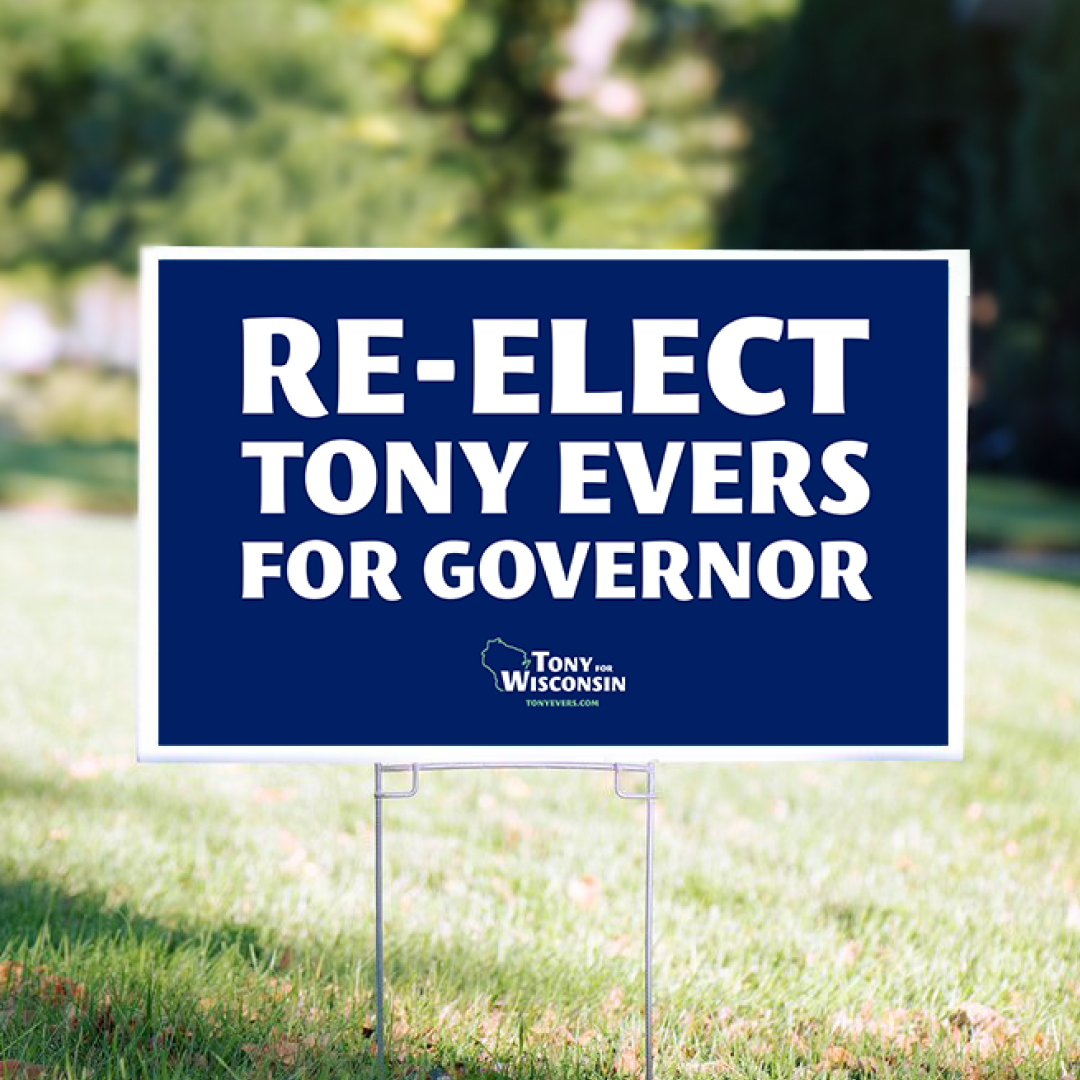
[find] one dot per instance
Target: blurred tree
(124, 124)
(68, 404)
(866, 117)
(1042, 271)
(88, 120)
(495, 74)
(359, 122)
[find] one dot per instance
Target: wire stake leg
(616, 768)
(380, 1049)
(650, 813)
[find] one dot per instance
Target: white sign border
(150, 749)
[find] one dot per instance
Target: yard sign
(419, 505)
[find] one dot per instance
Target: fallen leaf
(614, 1001)
(282, 1052)
(87, 767)
(839, 1058)
(984, 1030)
(56, 989)
(503, 889)
(972, 1014)
(13, 1067)
(298, 863)
(288, 842)
(516, 788)
(1072, 915)
(11, 974)
(91, 766)
(628, 1061)
(585, 891)
(273, 794)
(849, 952)
(514, 828)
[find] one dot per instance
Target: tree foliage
(862, 149)
(895, 126)
(191, 123)
(344, 122)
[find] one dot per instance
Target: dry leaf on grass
(281, 1052)
(51, 988)
(628, 1061)
(585, 891)
(12, 1067)
(297, 862)
(839, 1058)
(613, 1003)
(516, 788)
(91, 766)
(848, 953)
(981, 1030)
(273, 794)
(1072, 915)
(514, 828)
(503, 890)
(973, 1016)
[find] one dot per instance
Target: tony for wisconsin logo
(541, 671)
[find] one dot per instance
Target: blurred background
(555, 123)
(859, 920)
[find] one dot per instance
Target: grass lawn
(861, 920)
(1006, 512)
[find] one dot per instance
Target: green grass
(811, 919)
(1007, 512)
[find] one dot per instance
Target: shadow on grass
(1011, 514)
(96, 478)
(136, 1001)
(50, 791)
(33, 911)
(1057, 567)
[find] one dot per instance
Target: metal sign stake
(617, 769)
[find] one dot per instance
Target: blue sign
(408, 504)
